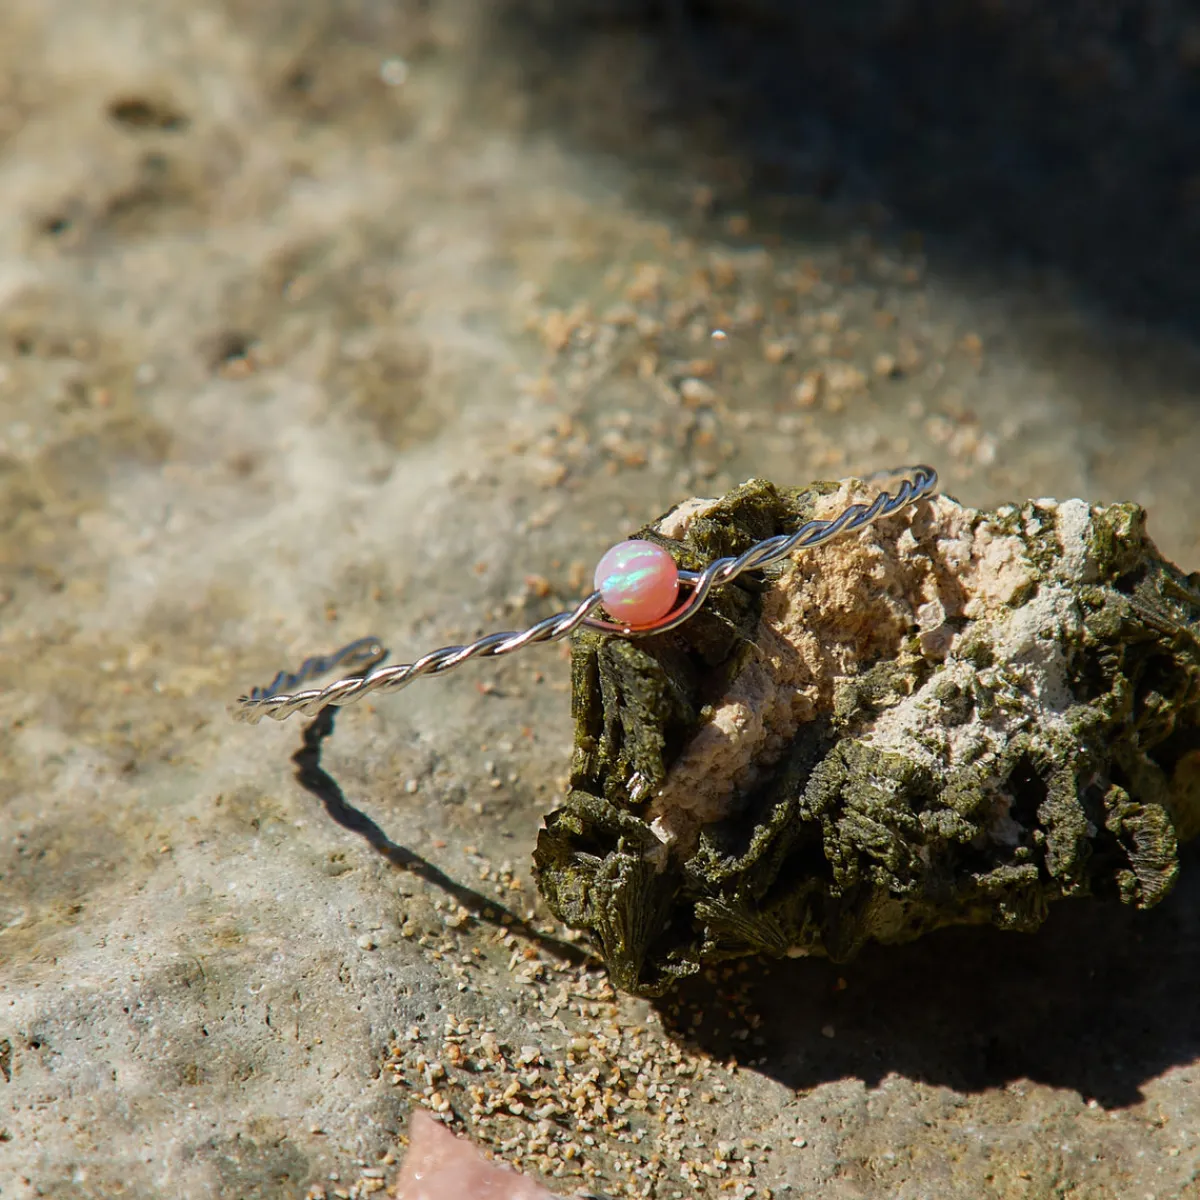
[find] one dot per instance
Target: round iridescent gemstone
(638, 581)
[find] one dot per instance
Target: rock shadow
(1046, 133)
(1100, 1000)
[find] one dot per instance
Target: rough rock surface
(950, 717)
(320, 319)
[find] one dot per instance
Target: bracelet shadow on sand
(315, 780)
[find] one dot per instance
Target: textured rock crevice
(950, 717)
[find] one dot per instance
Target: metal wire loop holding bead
(914, 483)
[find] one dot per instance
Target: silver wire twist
(915, 484)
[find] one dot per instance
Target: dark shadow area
(1100, 1000)
(313, 777)
(1046, 134)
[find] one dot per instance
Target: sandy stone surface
(314, 322)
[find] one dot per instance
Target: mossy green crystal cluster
(1017, 720)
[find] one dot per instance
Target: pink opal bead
(638, 581)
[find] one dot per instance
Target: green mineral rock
(951, 717)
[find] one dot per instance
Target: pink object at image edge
(638, 581)
(440, 1166)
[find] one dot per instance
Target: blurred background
(320, 319)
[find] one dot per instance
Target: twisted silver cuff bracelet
(626, 579)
